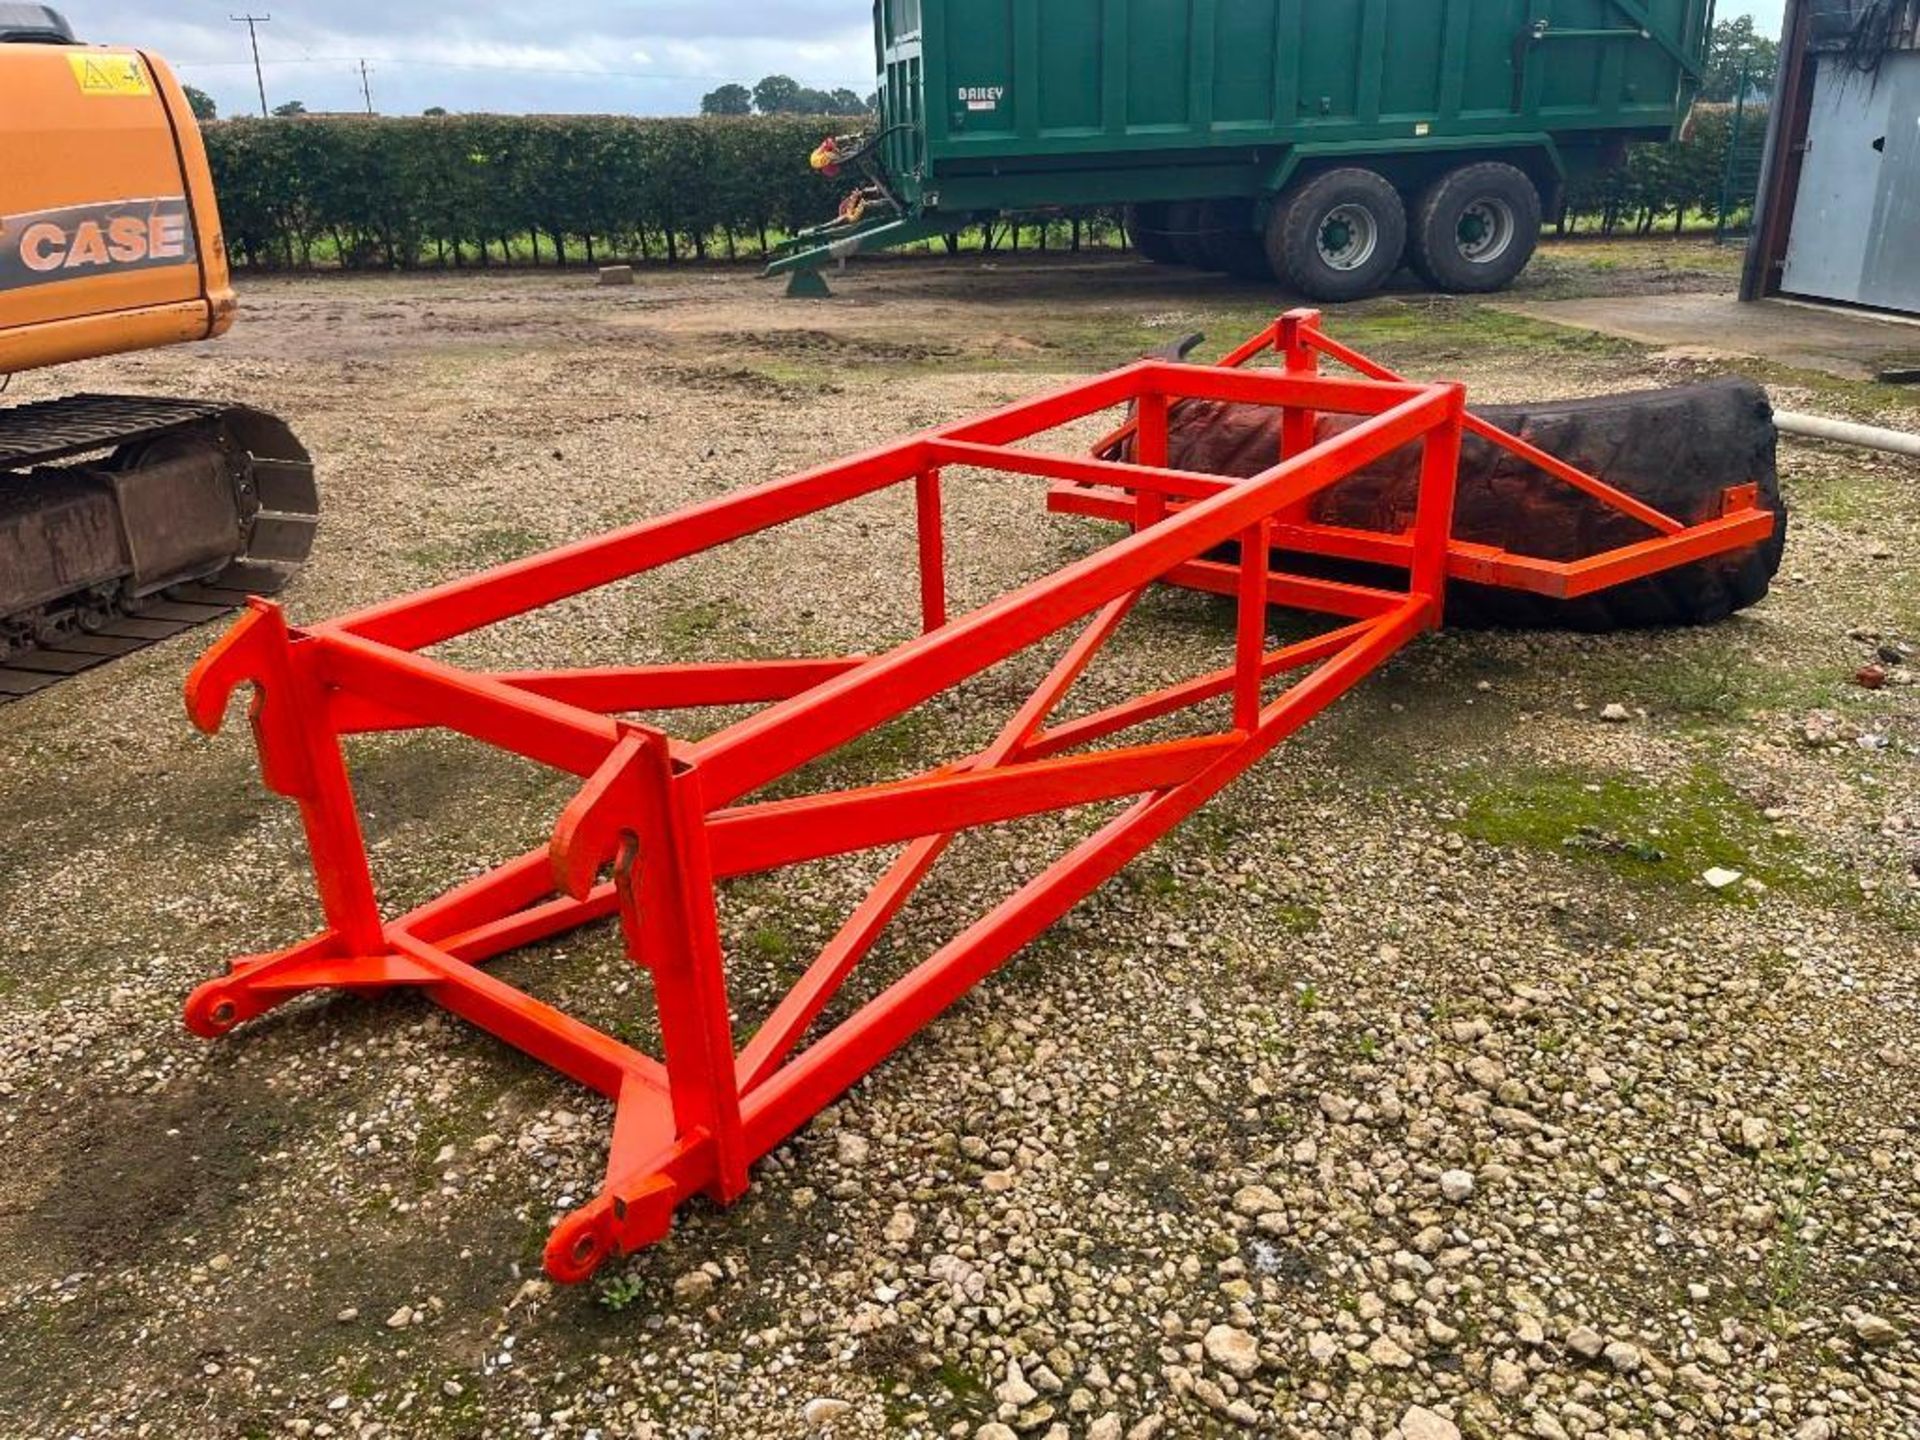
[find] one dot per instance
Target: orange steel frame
(665, 819)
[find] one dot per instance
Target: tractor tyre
(1338, 236)
(1187, 228)
(1474, 229)
(1678, 450)
(1231, 243)
(1147, 229)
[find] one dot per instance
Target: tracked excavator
(123, 518)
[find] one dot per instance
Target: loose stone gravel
(1417, 1088)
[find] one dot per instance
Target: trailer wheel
(1338, 236)
(1147, 229)
(1187, 228)
(1230, 241)
(1475, 228)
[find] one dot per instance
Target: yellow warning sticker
(102, 74)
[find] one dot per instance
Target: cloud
(538, 55)
(633, 56)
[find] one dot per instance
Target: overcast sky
(654, 57)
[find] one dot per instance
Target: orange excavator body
(109, 231)
(122, 518)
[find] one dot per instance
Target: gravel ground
(1419, 1087)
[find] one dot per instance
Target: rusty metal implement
(663, 819)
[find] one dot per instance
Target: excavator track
(125, 520)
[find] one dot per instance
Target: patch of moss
(456, 1122)
(969, 1394)
(1664, 833)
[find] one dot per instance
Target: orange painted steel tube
(658, 823)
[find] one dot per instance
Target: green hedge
(1687, 180)
(368, 192)
(394, 193)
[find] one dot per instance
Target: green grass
(771, 943)
(1705, 680)
(1293, 917)
(617, 1292)
(1789, 1265)
(479, 549)
(1433, 326)
(796, 374)
(1724, 686)
(1409, 332)
(1867, 400)
(1841, 497)
(904, 743)
(687, 628)
(1406, 331)
(1154, 878)
(1693, 250)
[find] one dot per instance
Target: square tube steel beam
(657, 824)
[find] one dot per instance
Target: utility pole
(253, 34)
(365, 88)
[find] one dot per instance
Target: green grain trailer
(1322, 142)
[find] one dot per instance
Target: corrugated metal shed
(1839, 211)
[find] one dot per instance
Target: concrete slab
(1847, 343)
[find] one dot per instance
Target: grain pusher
(658, 821)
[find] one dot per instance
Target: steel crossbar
(658, 822)
(1107, 493)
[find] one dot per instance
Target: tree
(727, 100)
(434, 110)
(201, 104)
(782, 95)
(777, 95)
(289, 110)
(1735, 50)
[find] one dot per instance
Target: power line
(585, 72)
(252, 22)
